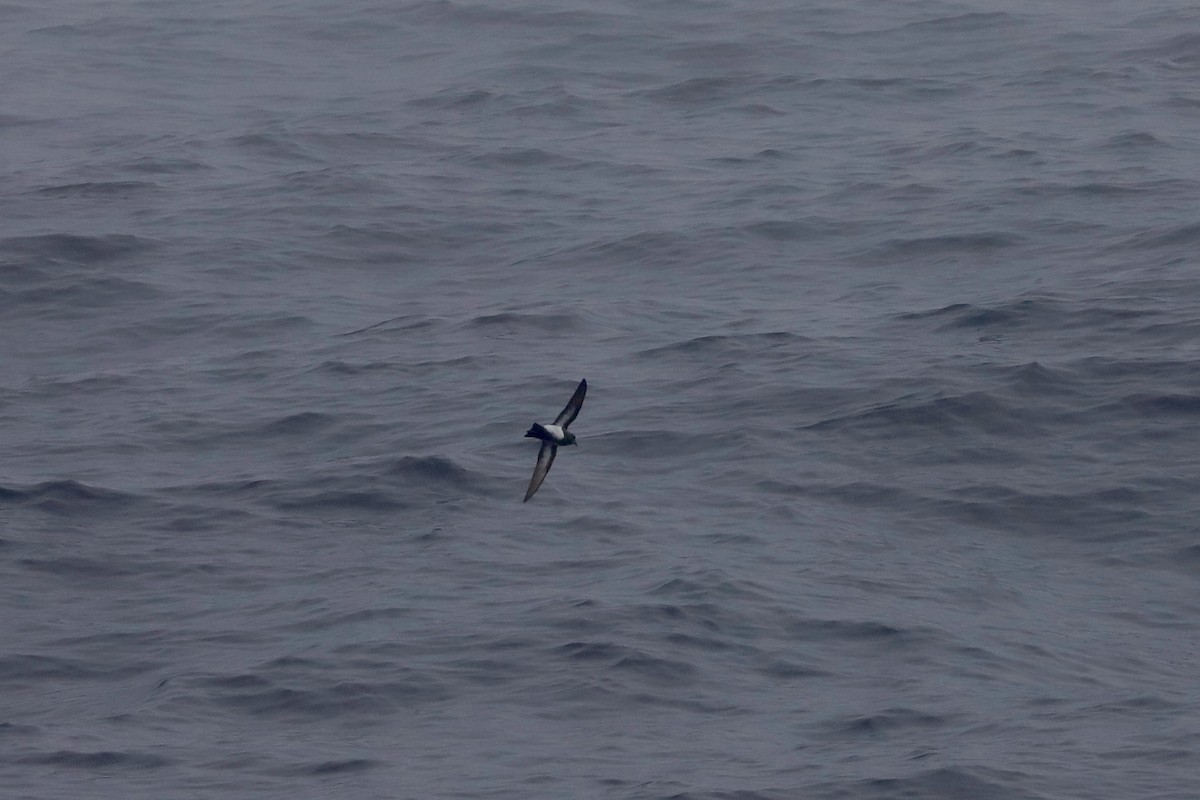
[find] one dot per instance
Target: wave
(646, 667)
(401, 324)
(976, 782)
(727, 345)
(968, 22)
(99, 189)
(23, 667)
(1152, 405)
(78, 249)
(662, 444)
(513, 321)
(77, 295)
(1181, 51)
(343, 498)
(1033, 312)
(954, 245)
(435, 471)
(304, 423)
(103, 760)
(368, 488)
(525, 158)
(65, 497)
(944, 417)
(322, 768)
(263, 694)
(1093, 514)
(888, 721)
(1186, 235)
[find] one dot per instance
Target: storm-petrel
(552, 436)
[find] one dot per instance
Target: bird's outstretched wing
(545, 459)
(568, 414)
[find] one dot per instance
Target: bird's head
(569, 438)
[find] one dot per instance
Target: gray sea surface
(887, 477)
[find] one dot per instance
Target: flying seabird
(552, 436)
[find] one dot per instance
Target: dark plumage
(551, 436)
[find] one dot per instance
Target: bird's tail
(538, 432)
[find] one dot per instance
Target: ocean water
(886, 484)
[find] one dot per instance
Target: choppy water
(887, 477)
